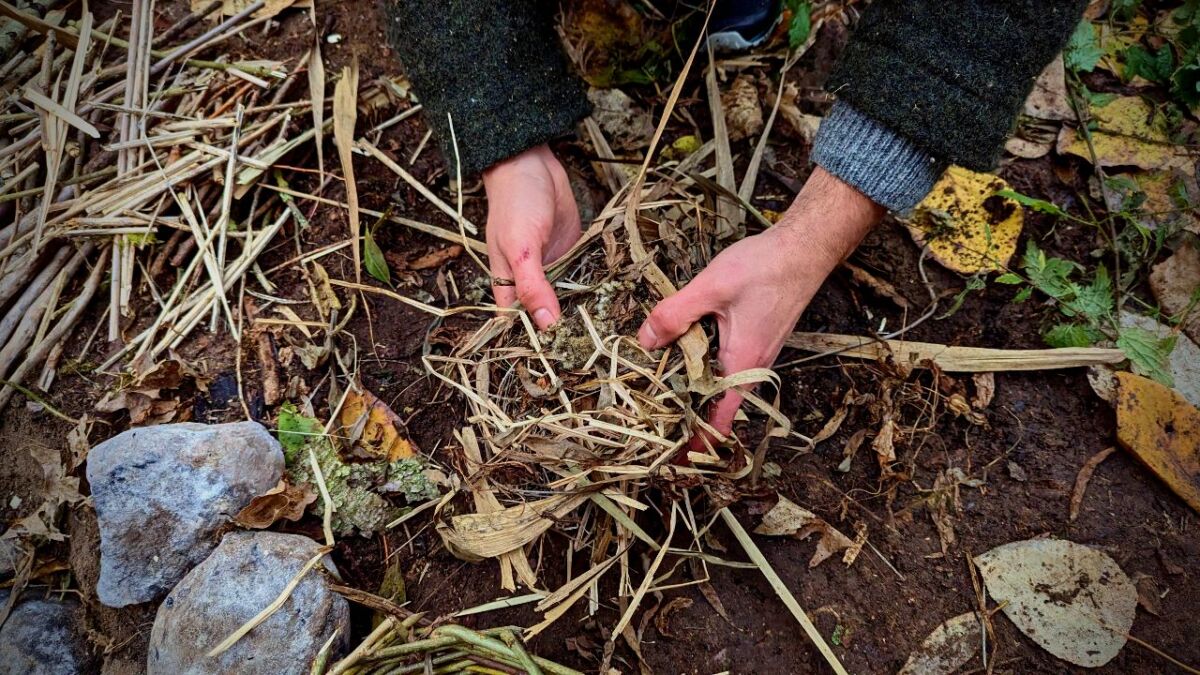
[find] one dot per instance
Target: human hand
(532, 220)
(758, 287)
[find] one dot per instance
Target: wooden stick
(56, 335)
(954, 359)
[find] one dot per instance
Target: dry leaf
(967, 226)
(1084, 477)
(796, 123)
(1159, 196)
(1103, 380)
(284, 501)
(436, 258)
(947, 648)
(663, 621)
(884, 444)
(1174, 281)
(316, 92)
(1161, 429)
(985, 390)
(324, 296)
(1073, 601)
(376, 429)
(1129, 133)
(743, 112)
(345, 114)
(1148, 595)
(787, 519)
(627, 125)
(1048, 100)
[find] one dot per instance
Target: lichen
(570, 344)
(355, 488)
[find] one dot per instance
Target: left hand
(758, 287)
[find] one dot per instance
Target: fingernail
(648, 337)
(543, 318)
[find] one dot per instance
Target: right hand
(532, 221)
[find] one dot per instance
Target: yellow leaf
(375, 428)
(1129, 133)
(1161, 429)
(967, 226)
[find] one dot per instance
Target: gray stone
(244, 575)
(44, 637)
(161, 493)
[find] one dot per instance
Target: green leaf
(1148, 354)
(801, 25)
(1048, 275)
(1039, 205)
(373, 260)
(1094, 301)
(1022, 295)
(1072, 335)
(295, 431)
(1185, 84)
(1156, 67)
(1009, 278)
(1083, 51)
(975, 283)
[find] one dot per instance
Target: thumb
(533, 290)
(675, 314)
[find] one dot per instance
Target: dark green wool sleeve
(496, 68)
(950, 75)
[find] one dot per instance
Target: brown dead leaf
(884, 444)
(1161, 429)
(282, 502)
(663, 621)
(1084, 477)
(375, 430)
(1148, 595)
(743, 111)
(627, 125)
(985, 390)
(710, 594)
(834, 423)
(1049, 100)
(1174, 281)
(787, 519)
(852, 446)
(436, 258)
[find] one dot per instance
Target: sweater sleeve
(497, 70)
(950, 75)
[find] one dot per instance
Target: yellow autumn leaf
(968, 227)
(1128, 133)
(1161, 429)
(373, 427)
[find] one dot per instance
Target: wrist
(827, 220)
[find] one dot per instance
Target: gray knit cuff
(881, 164)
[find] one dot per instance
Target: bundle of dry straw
(135, 163)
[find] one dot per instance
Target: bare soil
(1037, 433)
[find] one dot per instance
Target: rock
(44, 637)
(242, 577)
(162, 492)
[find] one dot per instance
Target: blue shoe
(737, 25)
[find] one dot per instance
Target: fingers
(532, 289)
(737, 353)
(672, 317)
(502, 277)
